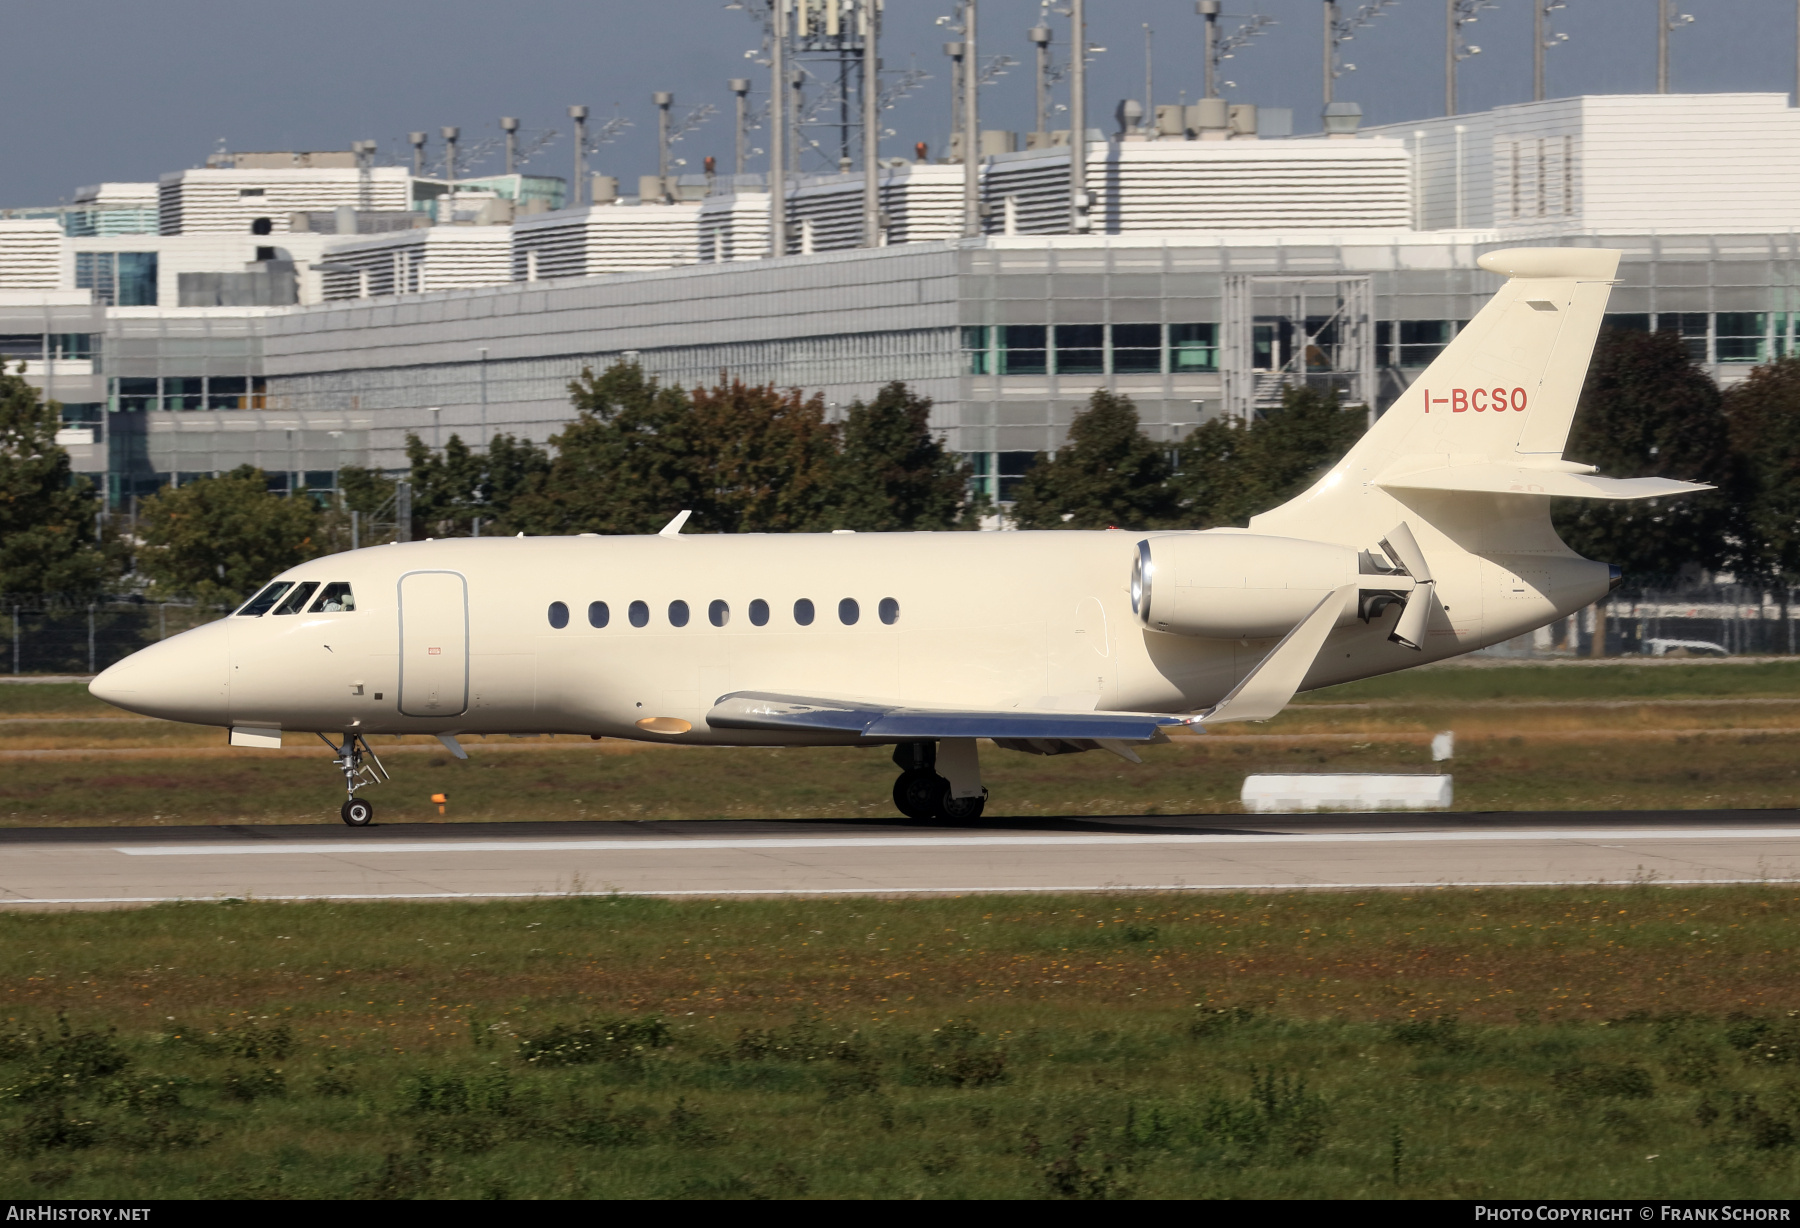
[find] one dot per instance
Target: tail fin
(1502, 394)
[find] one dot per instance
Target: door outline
(400, 608)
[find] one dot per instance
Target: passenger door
(434, 644)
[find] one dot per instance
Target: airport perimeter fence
(1718, 620)
(83, 635)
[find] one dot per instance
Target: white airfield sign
(1431, 538)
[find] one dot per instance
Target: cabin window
(559, 615)
(678, 614)
(803, 612)
(890, 611)
(295, 601)
(718, 613)
(260, 604)
(335, 599)
(848, 611)
(639, 614)
(598, 614)
(759, 613)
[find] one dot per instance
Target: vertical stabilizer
(1503, 392)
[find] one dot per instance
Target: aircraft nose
(183, 678)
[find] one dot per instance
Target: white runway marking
(1077, 888)
(1597, 836)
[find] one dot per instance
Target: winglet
(1266, 690)
(673, 528)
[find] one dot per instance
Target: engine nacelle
(1232, 586)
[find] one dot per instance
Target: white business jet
(1431, 538)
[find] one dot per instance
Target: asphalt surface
(116, 867)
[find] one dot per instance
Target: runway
(112, 867)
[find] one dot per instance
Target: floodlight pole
(741, 87)
(971, 83)
(871, 115)
(778, 132)
(1078, 194)
(1040, 38)
(579, 114)
(1209, 9)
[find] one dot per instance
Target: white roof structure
(599, 239)
(1612, 163)
(417, 261)
(31, 254)
(195, 201)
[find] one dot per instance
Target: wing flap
(881, 722)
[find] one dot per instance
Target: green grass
(1636, 1043)
(52, 699)
(1201, 776)
(1575, 681)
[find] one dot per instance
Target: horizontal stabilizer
(1266, 690)
(1501, 479)
(886, 723)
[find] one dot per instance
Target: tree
(1109, 473)
(47, 514)
(759, 460)
(893, 472)
(1231, 471)
(218, 539)
(1763, 414)
(620, 467)
(454, 488)
(1648, 411)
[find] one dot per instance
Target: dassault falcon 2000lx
(1431, 538)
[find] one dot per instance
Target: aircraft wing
(888, 722)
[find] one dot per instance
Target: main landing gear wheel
(916, 793)
(358, 813)
(957, 809)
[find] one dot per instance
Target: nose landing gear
(358, 774)
(926, 797)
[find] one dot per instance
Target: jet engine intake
(1225, 585)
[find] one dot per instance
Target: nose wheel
(361, 767)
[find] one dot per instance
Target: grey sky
(120, 91)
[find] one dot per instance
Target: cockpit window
(336, 599)
(296, 600)
(259, 605)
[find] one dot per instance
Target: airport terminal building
(305, 318)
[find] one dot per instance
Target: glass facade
(149, 394)
(118, 279)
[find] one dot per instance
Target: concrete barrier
(1271, 794)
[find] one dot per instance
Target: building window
(227, 392)
(182, 392)
(1193, 347)
(1627, 322)
(1011, 468)
(978, 356)
(118, 279)
(1137, 349)
(1024, 349)
(1740, 336)
(1692, 327)
(1080, 349)
(135, 395)
(1421, 341)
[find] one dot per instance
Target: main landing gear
(924, 796)
(361, 767)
